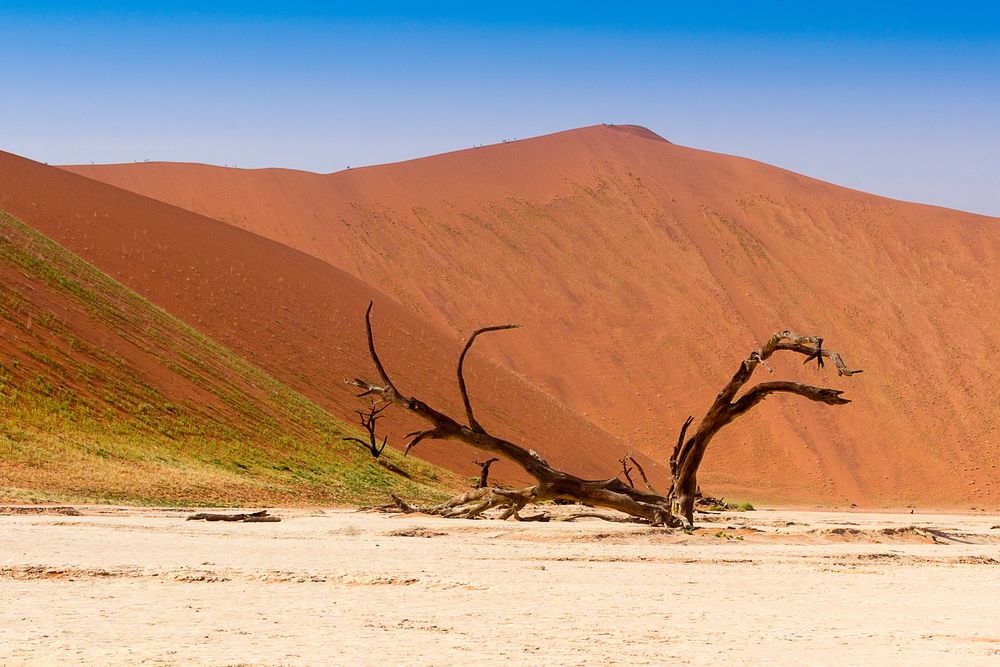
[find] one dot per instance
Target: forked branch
(689, 453)
(626, 470)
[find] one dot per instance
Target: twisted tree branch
(473, 424)
(726, 408)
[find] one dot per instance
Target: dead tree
(369, 421)
(484, 473)
(688, 452)
(674, 509)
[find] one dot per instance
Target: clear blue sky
(901, 99)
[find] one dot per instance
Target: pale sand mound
(644, 271)
(120, 586)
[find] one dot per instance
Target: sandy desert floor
(142, 586)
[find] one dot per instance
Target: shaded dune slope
(295, 316)
(644, 271)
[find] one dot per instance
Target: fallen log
(247, 517)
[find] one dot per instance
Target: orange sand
(644, 271)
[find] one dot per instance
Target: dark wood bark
(642, 473)
(674, 509)
(246, 517)
(484, 473)
(626, 470)
(690, 451)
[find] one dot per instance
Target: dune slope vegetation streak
(624, 256)
(106, 397)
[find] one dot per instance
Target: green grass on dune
(80, 422)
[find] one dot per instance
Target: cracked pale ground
(134, 586)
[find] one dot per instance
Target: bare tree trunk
(675, 509)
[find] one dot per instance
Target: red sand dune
(295, 316)
(644, 271)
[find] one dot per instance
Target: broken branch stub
(484, 472)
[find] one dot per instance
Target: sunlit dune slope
(644, 271)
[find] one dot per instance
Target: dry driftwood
(251, 517)
(674, 509)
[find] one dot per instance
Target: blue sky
(901, 99)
